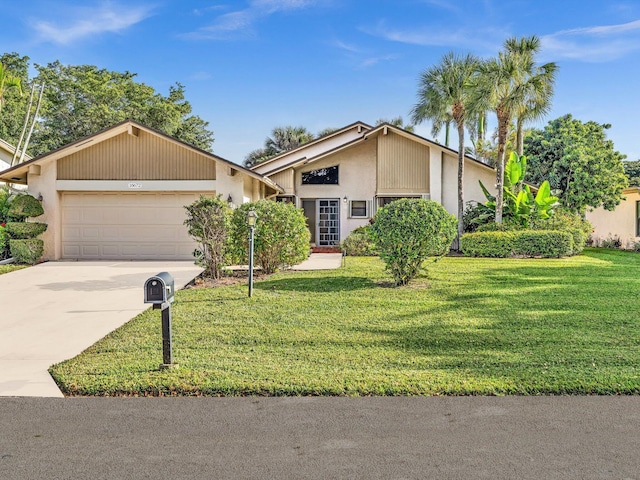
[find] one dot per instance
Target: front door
(328, 216)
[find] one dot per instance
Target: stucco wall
(356, 177)
(620, 223)
(45, 185)
(472, 173)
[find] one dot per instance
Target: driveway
(55, 310)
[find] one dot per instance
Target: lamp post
(251, 221)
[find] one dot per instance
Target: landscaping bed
(473, 326)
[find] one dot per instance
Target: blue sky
(249, 66)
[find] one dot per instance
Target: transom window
(322, 176)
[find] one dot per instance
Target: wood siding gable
(403, 165)
(142, 157)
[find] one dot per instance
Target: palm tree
(446, 92)
(396, 122)
(7, 81)
(511, 84)
(538, 103)
(282, 140)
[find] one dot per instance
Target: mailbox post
(159, 290)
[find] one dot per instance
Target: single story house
(6, 154)
(120, 194)
(622, 223)
(340, 179)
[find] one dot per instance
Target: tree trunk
(446, 134)
(460, 181)
(519, 137)
(503, 130)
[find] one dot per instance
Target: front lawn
(471, 326)
(11, 267)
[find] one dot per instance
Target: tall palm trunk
(503, 130)
(460, 181)
(519, 137)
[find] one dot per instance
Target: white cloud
(85, 22)
(239, 24)
(594, 44)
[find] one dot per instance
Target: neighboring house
(6, 154)
(120, 194)
(341, 179)
(622, 223)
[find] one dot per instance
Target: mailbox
(159, 289)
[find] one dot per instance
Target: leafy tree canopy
(579, 161)
(632, 171)
(282, 140)
(80, 100)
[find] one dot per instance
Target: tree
(507, 84)
(15, 104)
(446, 91)
(7, 82)
(632, 171)
(538, 101)
(282, 139)
(82, 100)
(396, 122)
(579, 161)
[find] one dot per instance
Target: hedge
(527, 243)
(27, 251)
(21, 230)
(359, 243)
(23, 206)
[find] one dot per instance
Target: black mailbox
(159, 289)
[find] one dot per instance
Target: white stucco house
(120, 194)
(341, 179)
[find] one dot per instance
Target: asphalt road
(327, 438)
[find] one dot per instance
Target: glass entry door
(328, 222)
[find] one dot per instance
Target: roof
(15, 173)
(371, 132)
(6, 146)
(314, 142)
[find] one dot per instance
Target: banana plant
(519, 202)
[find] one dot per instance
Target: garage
(120, 194)
(125, 226)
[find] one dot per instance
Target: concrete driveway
(55, 310)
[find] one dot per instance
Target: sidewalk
(320, 261)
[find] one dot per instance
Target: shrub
(281, 237)
(27, 250)
(611, 242)
(23, 206)
(488, 244)
(22, 230)
(4, 243)
(476, 215)
(528, 243)
(543, 243)
(562, 220)
(5, 201)
(208, 222)
(635, 246)
(359, 243)
(409, 230)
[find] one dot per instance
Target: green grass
(11, 268)
(470, 326)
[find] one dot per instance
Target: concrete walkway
(320, 261)
(53, 311)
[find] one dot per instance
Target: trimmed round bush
(22, 230)
(408, 231)
(4, 243)
(27, 251)
(281, 237)
(23, 206)
(359, 243)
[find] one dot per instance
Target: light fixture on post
(251, 221)
(345, 200)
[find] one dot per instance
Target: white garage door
(129, 226)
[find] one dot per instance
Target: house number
(135, 185)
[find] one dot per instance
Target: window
(286, 199)
(359, 209)
(637, 219)
(322, 176)
(382, 201)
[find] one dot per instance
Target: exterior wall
(142, 157)
(472, 173)
(356, 177)
(403, 165)
(311, 150)
(620, 223)
(45, 185)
